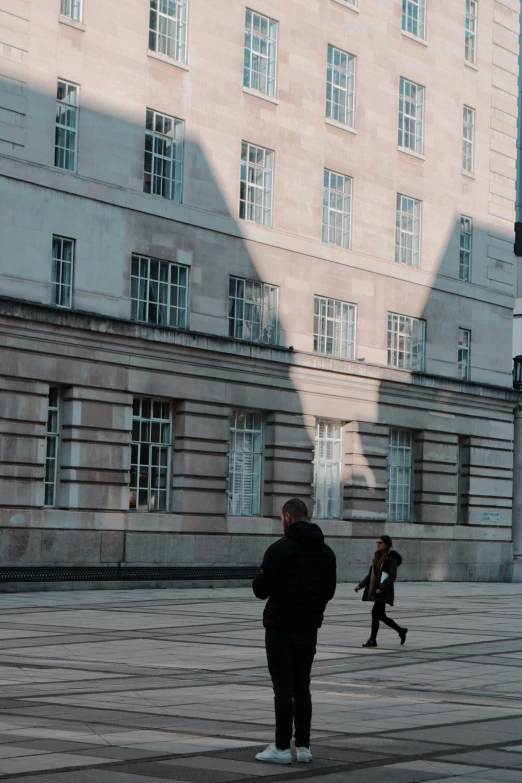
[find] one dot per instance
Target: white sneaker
(303, 755)
(275, 756)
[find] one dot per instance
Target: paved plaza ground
(146, 686)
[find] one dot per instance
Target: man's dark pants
(290, 657)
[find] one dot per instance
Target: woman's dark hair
(379, 556)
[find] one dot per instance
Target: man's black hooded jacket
(298, 576)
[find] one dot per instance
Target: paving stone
(490, 758)
(167, 771)
(149, 686)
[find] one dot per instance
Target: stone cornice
(188, 340)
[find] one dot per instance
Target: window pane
(399, 475)
(52, 447)
(159, 292)
(260, 52)
(245, 462)
(255, 193)
(327, 470)
(150, 455)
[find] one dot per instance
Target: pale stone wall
(100, 360)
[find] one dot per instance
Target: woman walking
(378, 587)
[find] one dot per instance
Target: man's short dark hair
(296, 508)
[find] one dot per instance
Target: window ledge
(168, 60)
(350, 6)
(470, 65)
(262, 95)
(421, 41)
(339, 125)
(71, 22)
(413, 154)
(468, 174)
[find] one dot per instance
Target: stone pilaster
(288, 464)
(435, 478)
(200, 461)
(23, 420)
(365, 471)
(94, 453)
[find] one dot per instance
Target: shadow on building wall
(101, 360)
(456, 434)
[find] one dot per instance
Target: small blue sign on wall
(491, 516)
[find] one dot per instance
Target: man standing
(298, 576)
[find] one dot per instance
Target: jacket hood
(307, 534)
(396, 555)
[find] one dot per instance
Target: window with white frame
(468, 132)
(159, 292)
(399, 475)
(252, 311)
(66, 133)
(411, 115)
(334, 327)
(72, 9)
(150, 454)
(464, 354)
(52, 441)
(245, 463)
(414, 17)
(163, 163)
(327, 470)
(259, 72)
(408, 230)
(337, 207)
(340, 86)
(62, 267)
(466, 233)
(255, 190)
(406, 339)
(470, 40)
(168, 28)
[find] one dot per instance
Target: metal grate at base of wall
(111, 574)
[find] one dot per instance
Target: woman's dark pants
(290, 657)
(379, 615)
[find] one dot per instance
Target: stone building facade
(255, 253)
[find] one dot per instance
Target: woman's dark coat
(390, 565)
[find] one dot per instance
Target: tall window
(150, 455)
(464, 354)
(406, 338)
(255, 191)
(468, 132)
(51, 445)
(411, 115)
(162, 172)
(168, 28)
(340, 86)
(470, 40)
(334, 327)
(337, 197)
(72, 9)
(407, 230)
(62, 271)
(399, 475)
(466, 231)
(66, 134)
(327, 470)
(259, 72)
(245, 459)
(159, 292)
(252, 311)
(413, 17)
